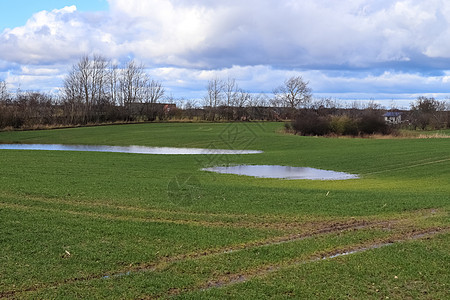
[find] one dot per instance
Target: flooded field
(282, 172)
(124, 149)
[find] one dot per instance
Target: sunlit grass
(115, 213)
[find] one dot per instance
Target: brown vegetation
(425, 114)
(96, 91)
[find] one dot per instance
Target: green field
(117, 225)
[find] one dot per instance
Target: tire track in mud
(230, 279)
(313, 229)
(166, 261)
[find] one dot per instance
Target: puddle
(282, 172)
(124, 149)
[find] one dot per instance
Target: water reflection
(283, 172)
(124, 149)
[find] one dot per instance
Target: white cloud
(380, 46)
(217, 34)
(50, 37)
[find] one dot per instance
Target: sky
(388, 51)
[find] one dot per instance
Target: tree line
(97, 90)
(225, 100)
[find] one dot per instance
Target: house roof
(392, 114)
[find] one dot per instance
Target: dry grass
(392, 136)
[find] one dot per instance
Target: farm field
(120, 225)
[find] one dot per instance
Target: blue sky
(14, 13)
(390, 51)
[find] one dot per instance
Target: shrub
(310, 123)
(372, 122)
(343, 125)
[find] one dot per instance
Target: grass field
(116, 225)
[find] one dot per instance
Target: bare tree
(4, 94)
(114, 88)
(5, 115)
(87, 84)
(293, 93)
(74, 96)
(428, 112)
(99, 79)
(241, 98)
(230, 89)
(260, 99)
(132, 82)
(83, 73)
(153, 92)
(213, 96)
(95, 86)
(214, 92)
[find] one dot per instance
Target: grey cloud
(339, 46)
(212, 34)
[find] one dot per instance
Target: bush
(343, 125)
(372, 122)
(310, 123)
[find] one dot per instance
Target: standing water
(124, 149)
(282, 172)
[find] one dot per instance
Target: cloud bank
(360, 46)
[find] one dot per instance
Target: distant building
(393, 117)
